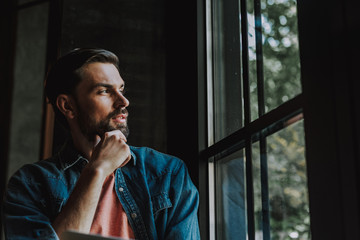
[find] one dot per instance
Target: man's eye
(103, 91)
(122, 91)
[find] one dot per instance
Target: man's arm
(80, 208)
(24, 206)
(78, 213)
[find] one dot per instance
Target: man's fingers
(112, 150)
(126, 161)
(117, 134)
(97, 140)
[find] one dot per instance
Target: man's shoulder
(147, 153)
(154, 160)
(36, 170)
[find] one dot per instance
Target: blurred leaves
(281, 61)
(287, 179)
(288, 198)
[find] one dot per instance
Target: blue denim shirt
(155, 190)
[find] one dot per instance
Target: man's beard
(90, 128)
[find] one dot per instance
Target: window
(255, 137)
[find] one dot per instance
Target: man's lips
(121, 118)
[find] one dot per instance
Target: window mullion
(209, 73)
(245, 61)
(259, 57)
(264, 188)
(261, 106)
(249, 190)
(247, 120)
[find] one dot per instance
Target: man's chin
(122, 127)
(102, 129)
(125, 130)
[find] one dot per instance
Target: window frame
(256, 130)
(332, 162)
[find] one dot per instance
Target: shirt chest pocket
(160, 202)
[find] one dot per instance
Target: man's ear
(66, 105)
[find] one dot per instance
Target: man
(97, 183)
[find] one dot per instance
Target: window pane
(288, 195)
(287, 185)
(227, 70)
(212, 199)
(230, 197)
(252, 60)
(257, 191)
(280, 52)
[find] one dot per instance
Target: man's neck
(82, 144)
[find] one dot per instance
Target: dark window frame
(252, 131)
(331, 109)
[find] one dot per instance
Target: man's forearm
(78, 212)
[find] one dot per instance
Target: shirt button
(133, 215)
(121, 189)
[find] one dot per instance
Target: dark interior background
(135, 32)
(156, 41)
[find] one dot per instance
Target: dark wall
(7, 46)
(330, 73)
(29, 72)
(133, 30)
(182, 82)
(23, 49)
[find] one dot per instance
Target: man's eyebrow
(106, 85)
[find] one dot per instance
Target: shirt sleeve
(24, 210)
(183, 218)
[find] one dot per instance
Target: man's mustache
(117, 112)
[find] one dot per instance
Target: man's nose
(121, 100)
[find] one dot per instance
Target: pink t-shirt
(110, 218)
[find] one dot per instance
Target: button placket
(130, 207)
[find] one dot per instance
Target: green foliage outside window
(288, 199)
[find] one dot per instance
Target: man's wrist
(95, 170)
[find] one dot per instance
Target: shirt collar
(69, 156)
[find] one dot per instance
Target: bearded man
(97, 183)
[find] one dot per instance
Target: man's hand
(111, 152)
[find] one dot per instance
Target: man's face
(101, 105)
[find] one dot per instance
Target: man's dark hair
(65, 75)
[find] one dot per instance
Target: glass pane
(230, 197)
(252, 60)
(212, 199)
(280, 52)
(227, 70)
(288, 194)
(257, 191)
